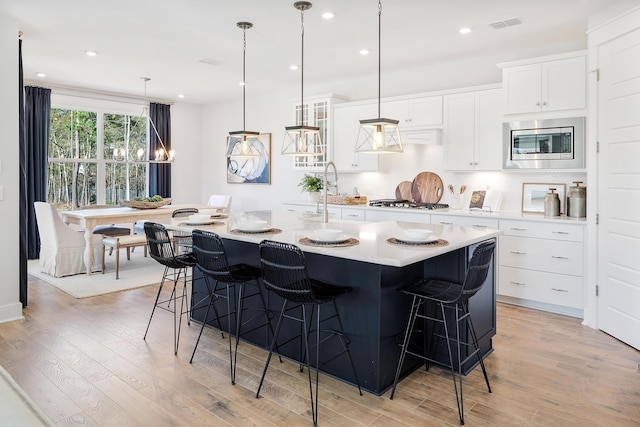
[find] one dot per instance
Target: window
(95, 158)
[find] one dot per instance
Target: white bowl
(417, 233)
(208, 211)
(326, 234)
(199, 217)
(254, 224)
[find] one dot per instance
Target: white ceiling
(166, 39)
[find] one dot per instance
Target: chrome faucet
(325, 185)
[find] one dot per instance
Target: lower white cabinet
(542, 262)
(465, 221)
(352, 214)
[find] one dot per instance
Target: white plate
(428, 239)
(338, 239)
(200, 222)
(255, 229)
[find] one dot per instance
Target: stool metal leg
(273, 342)
(212, 298)
(415, 306)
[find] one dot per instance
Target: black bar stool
(161, 249)
(182, 239)
(284, 272)
(211, 260)
(453, 297)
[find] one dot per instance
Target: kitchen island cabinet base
(374, 314)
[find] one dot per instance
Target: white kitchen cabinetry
(542, 263)
(380, 214)
(470, 220)
(550, 85)
(473, 130)
(316, 112)
(425, 112)
(346, 124)
(353, 214)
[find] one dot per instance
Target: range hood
(421, 136)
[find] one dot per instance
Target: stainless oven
(544, 144)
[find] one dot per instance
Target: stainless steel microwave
(544, 144)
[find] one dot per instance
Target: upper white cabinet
(346, 124)
(316, 112)
(414, 113)
(472, 135)
(546, 85)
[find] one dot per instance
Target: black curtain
(159, 174)
(37, 110)
(23, 203)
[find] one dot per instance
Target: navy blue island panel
(374, 314)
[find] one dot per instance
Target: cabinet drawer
(549, 288)
(540, 254)
(465, 221)
(555, 231)
(353, 214)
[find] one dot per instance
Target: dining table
(88, 219)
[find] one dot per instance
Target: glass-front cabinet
(316, 112)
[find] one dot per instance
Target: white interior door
(619, 188)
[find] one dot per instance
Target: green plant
(310, 183)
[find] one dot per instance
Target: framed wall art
(251, 170)
(533, 194)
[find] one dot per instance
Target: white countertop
(518, 215)
(373, 246)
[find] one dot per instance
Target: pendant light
(243, 143)
(162, 155)
(302, 140)
(379, 135)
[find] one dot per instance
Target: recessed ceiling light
(39, 74)
(293, 67)
(465, 30)
(364, 52)
(181, 96)
(90, 52)
(327, 15)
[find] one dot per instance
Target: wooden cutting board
(403, 191)
(427, 187)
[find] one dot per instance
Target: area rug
(16, 409)
(136, 273)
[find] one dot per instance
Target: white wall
(10, 306)
(273, 113)
(186, 139)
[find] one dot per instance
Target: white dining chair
(220, 201)
(62, 247)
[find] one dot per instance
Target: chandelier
(162, 155)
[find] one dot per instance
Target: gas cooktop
(393, 203)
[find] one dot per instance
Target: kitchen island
(375, 313)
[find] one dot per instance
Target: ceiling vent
(506, 23)
(210, 61)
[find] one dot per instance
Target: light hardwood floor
(84, 363)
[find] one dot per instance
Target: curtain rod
(94, 94)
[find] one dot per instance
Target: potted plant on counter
(311, 184)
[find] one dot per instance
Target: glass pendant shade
(302, 141)
(379, 136)
(244, 144)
